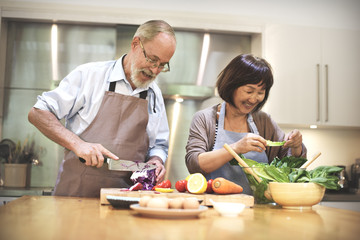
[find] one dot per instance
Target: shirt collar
(118, 73)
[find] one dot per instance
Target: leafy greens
(287, 169)
(274, 144)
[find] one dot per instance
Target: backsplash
(337, 146)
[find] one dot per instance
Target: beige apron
(120, 126)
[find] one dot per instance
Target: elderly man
(112, 109)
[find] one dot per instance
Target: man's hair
(150, 29)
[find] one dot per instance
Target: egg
(191, 203)
(144, 201)
(176, 203)
(158, 202)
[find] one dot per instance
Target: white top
(78, 97)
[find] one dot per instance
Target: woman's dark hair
(244, 69)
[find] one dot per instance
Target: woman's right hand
(251, 142)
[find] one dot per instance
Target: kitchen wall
(339, 146)
(32, 68)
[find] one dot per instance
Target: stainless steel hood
(176, 91)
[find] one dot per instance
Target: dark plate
(122, 202)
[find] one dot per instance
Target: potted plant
(17, 161)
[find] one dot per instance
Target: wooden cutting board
(242, 198)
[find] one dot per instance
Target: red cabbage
(146, 177)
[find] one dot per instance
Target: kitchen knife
(125, 165)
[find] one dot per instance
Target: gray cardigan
(202, 136)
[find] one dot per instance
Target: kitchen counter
(18, 192)
(8, 194)
(49, 217)
(341, 197)
(349, 201)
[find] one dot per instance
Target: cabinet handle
(318, 92)
(326, 92)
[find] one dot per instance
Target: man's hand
(93, 154)
(52, 128)
(160, 168)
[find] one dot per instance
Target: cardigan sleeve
(201, 137)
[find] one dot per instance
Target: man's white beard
(136, 72)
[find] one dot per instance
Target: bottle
(355, 175)
(343, 179)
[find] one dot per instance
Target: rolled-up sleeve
(78, 97)
(62, 100)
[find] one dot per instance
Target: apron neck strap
(143, 94)
(112, 86)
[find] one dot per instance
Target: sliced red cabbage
(146, 177)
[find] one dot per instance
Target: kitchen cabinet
(316, 75)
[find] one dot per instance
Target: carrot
(223, 186)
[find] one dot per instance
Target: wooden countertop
(48, 217)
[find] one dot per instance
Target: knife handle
(83, 160)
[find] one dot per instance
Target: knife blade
(125, 165)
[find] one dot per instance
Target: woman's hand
(251, 142)
(294, 141)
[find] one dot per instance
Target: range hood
(177, 91)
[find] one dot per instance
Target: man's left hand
(160, 168)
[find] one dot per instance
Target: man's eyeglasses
(164, 67)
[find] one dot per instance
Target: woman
(244, 85)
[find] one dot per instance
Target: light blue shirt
(80, 93)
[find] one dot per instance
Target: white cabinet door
(316, 75)
(294, 53)
(341, 60)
